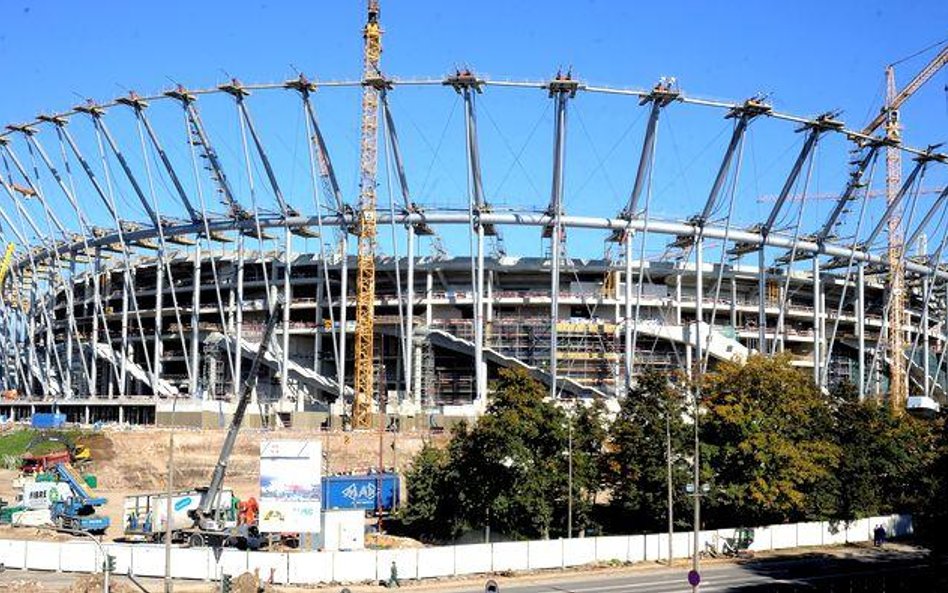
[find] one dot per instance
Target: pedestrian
(878, 534)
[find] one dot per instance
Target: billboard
(290, 488)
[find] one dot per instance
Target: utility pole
(671, 494)
(169, 509)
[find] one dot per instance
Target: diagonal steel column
(561, 89)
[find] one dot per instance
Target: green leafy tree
(590, 431)
(764, 434)
(512, 461)
(430, 512)
(884, 459)
(637, 474)
(931, 517)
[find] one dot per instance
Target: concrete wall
(308, 568)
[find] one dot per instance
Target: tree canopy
(774, 448)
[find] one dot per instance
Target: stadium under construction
(142, 255)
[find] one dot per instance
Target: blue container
(46, 420)
(361, 492)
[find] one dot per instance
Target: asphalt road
(871, 573)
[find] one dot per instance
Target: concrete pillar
(159, 289)
(762, 301)
(195, 322)
(408, 338)
(925, 351)
(288, 300)
(733, 298)
(699, 303)
(627, 318)
(69, 290)
(860, 313)
(817, 303)
(96, 308)
(429, 285)
(239, 320)
(123, 363)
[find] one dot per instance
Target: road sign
(694, 579)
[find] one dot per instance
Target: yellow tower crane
(893, 131)
(372, 83)
(5, 264)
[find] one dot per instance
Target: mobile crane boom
(206, 510)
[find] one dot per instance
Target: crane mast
(893, 179)
(366, 226)
(889, 116)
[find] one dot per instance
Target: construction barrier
(309, 568)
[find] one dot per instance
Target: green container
(6, 513)
(91, 480)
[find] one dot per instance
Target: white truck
(144, 515)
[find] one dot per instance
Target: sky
(807, 57)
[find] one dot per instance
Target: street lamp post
(105, 555)
(697, 491)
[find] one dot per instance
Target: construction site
(172, 277)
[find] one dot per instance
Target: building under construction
(141, 256)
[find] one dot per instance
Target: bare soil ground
(135, 461)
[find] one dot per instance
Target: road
(869, 571)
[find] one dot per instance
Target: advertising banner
(290, 488)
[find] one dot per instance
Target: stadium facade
(162, 312)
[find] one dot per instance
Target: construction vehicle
(145, 515)
(209, 525)
(78, 511)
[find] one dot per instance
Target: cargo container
(361, 492)
(46, 420)
(144, 514)
(42, 495)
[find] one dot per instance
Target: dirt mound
(250, 583)
(93, 583)
(100, 446)
(23, 586)
(385, 541)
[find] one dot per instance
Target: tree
(512, 462)
(931, 517)
(590, 431)
(884, 459)
(638, 458)
(764, 434)
(431, 509)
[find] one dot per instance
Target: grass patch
(17, 442)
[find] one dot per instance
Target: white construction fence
(303, 568)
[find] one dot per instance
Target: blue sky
(808, 56)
